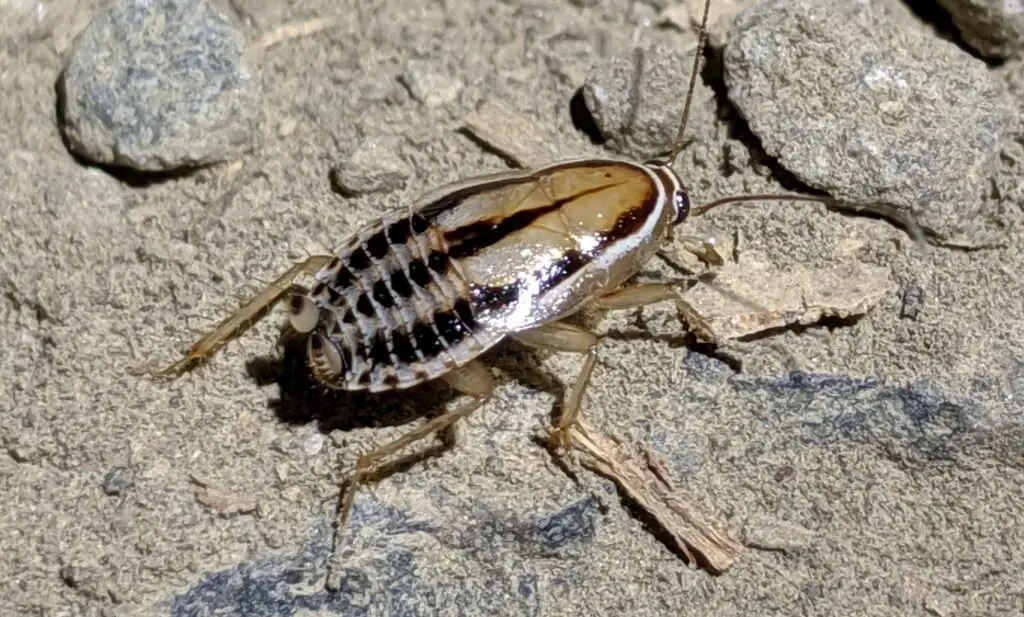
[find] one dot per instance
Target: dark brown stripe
(323, 288)
(571, 262)
(455, 198)
(379, 350)
(346, 358)
(399, 231)
(464, 312)
(343, 277)
(418, 224)
(364, 306)
(450, 327)
(418, 273)
(438, 262)
(403, 347)
(494, 296)
(567, 265)
(400, 284)
(333, 296)
(470, 239)
(358, 259)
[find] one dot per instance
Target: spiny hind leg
(652, 293)
(560, 336)
(473, 379)
(241, 320)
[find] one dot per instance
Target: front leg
(560, 336)
(652, 293)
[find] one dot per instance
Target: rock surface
(993, 27)
(636, 99)
(157, 86)
(916, 122)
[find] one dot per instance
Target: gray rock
(160, 85)
(118, 481)
(430, 85)
(374, 166)
(874, 115)
(637, 99)
(993, 27)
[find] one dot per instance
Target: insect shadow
(301, 399)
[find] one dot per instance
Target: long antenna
(702, 38)
(702, 209)
(909, 224)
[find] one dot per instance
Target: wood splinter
(699, 538)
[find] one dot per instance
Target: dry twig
(643, 481)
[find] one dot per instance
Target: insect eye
(682, 205)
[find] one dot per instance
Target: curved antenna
(702, 38)
(910, 225)
(699, 210)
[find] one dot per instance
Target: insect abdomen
(394, 309)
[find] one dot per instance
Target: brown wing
(519, 238)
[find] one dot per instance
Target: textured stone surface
(636, 99)
(160, 85)
(914, 122)
(993, 27)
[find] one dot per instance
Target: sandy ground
(884, 477)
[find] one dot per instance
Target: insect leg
(652, 293)
(473, 379)
(241, 320)
(704, 250)
(560, 336)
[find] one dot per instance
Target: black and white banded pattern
(393, 310)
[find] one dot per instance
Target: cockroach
(421, 295)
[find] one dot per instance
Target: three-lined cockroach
(421, 295)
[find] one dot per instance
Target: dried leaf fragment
(759, 297)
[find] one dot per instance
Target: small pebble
(429, 86)
(913, 302)
(118, 481)
(313, 443)
(770, 534)
(373, 167)
(159, 85)
(871, 113)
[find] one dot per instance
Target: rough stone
(919, 121)
(993, 27)
(636, 99)
(157, 86)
